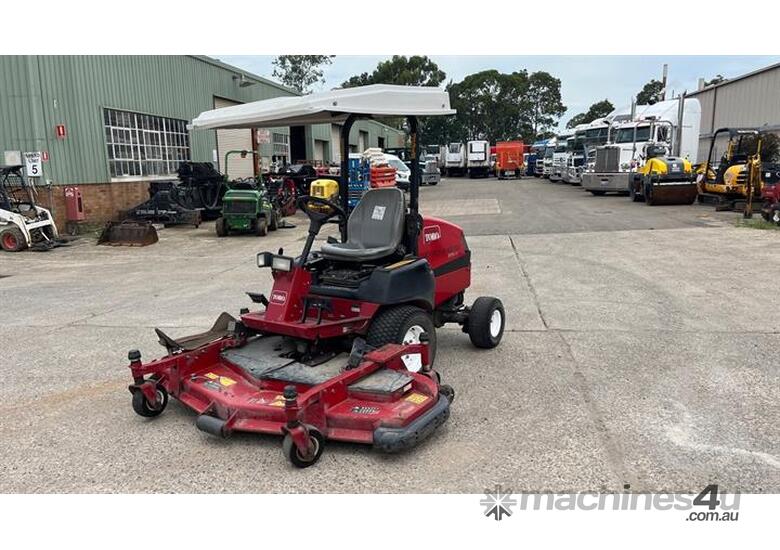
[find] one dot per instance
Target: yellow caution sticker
(278, 401)
(223, 380)
(416, 398)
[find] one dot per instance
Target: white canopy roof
(377, 100)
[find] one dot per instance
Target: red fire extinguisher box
(74, 205)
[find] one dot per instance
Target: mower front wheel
(403, 325)
(142, 407)
(291, 452)
(486, 322)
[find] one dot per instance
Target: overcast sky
(584, 79)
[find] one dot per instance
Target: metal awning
(375, 101)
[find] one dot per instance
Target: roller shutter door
(234, 140)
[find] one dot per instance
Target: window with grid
(144, 145)
(281, 144)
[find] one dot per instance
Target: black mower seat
(375, 228)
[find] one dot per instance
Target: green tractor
(246, 207)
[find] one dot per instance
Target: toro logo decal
(279, 296)
(431, 233)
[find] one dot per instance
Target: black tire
(221, 227)
(391, 325)
(291, 451)
(479, 322)
(632, 194)
(261, 227)
(12, 239)
(434, 182)
(598, 193)
(142, 407)
(649, 199)
(274, 225)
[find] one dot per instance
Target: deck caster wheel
(448, 392)
(292, 453)
(142, 407)
(485, 325)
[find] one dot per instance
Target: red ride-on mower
(343, 346)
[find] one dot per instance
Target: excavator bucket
(128, 233)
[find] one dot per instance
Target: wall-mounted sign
(263, 136)
(32, 164)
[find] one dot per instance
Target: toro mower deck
(237, 382)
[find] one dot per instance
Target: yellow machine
(737, 176)
(663, 179)
(325, 189)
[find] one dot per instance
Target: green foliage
(717, 79)
(301, 72)
(770, 147)
(416, 70)
(544, 101)
(597, 110)
(651, 93)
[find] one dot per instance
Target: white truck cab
(478, 158)
(455, 160)
(658, 123)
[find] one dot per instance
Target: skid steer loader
(23, 224)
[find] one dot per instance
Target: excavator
(735, 184)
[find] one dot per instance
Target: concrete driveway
(641, 350)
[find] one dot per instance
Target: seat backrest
(378, 219)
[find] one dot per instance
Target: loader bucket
(128, 233)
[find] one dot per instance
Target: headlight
(277, 263)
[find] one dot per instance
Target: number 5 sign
(32, 163)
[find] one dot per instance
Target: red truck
(509, 159)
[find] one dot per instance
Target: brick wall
(102, 201)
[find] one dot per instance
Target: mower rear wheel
(142, 407)
(403, 325)
(486, 322)
(293, 455)
(12, 239)
(261, 227)
(221, 227)
(274, 225)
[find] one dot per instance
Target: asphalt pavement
(641, 351)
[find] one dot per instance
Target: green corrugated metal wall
(39, 92)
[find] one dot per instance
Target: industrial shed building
(112, 124)
(750, 100)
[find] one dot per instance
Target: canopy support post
(414, 225)
(344, 183)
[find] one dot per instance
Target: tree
(597, 110)
(544, 101)
(301, 72)
(717, 79)
(651, 93)
(416, 70)
(770, 147)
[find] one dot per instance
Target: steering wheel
(331, 209)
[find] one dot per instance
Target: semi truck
(455, 160)
(616, 162)
(535, 158)
(560, 156)
(478, 158)
(547, 158)
(587, 137)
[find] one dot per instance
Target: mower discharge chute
(343, 345)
